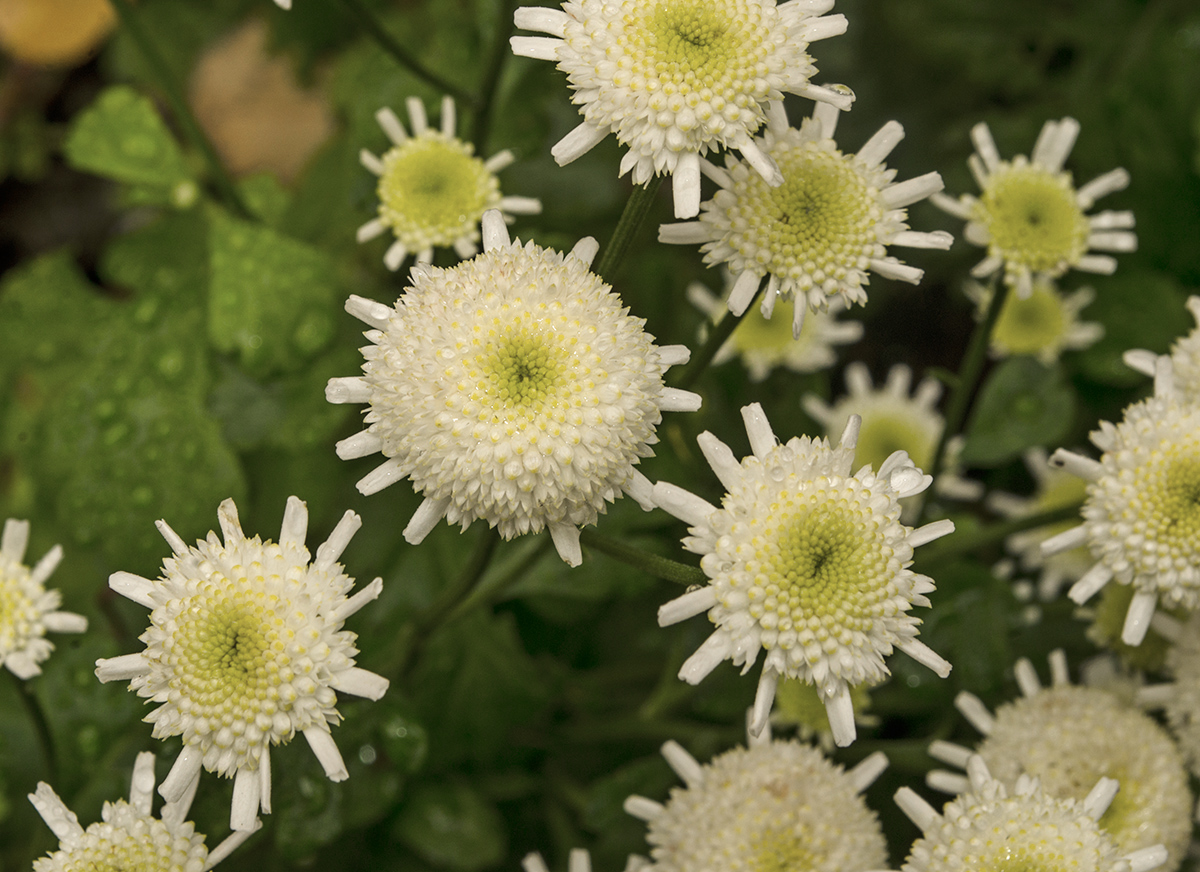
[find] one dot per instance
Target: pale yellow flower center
(1026, 326)
(883, 434)
(783, 850)
(18, 611)
(1032, 218)
(690, 45)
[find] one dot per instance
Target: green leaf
(1022, 404)
(452, 826)
(121, 137)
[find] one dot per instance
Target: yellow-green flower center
(230, 650)
(1027, 326)
(764, 335)
(1181, 498)
(690, 45)
(688, 36)
(128, 841)
(522, 371)
(433, 190)
(1009, 859)
(884, 434)
(783, 850)
(1032, 218)
(18, 611)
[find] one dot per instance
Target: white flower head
(806, 562)
(433, 189)
(1185, 359)
(514, 387)
(763, 345)
(990, 829)
(1044, 324)
(1070, 737)
(27, 609)
(771, 807)
(245, 649)
(1181, 697)
(1141, 519)
(675, 79)
(1030, 216)
(819, 234)
(128, 835)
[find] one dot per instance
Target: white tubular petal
(387, 473)
(762, 163)
(926, 656)
(495, 231)
(294, 529)
(352, 604)
(184, 771)
(331, 549)
(371, 313)
(758, 429)
(864, 774)
(678, 400)
(1155, 696)
(743, 291)
(767, 306)
(641, 490)
(395, 255)
(500, 160)
(916, 809)
(1100, 797)
(840, 710)
(465, 248)
(930, 531)
(1145, 859)
(1051, 150)
(521, 205)
(720, 458)
(685, 185)
(566, 543)
(1059, 676)
(1112, 220)
(60, 819)
(46, 566)
(684, 505)
(65, 622)
(246, 798)
(534, 863)
(683, 233)
(878, 147)
(121, 668)
(842, 99)
(1027, 679)
(949, 752)
(22, 665)
(171, 538)
(1101, 186)
(684, 764)
(264, 782)
(391, 126)
(849, 437)
(1141, 360)
(826, 117)
(975, 711)
(578, 142)
(14, 540)
(330, 758)
(360, 682)
(1137, 618)
(911, 190)
(1164, 377)
(986, 267)
(425, 518)
(425, 255)
(1077, 464)
(360, 444)
(551, 21)
(284, 4)
(823, 27)
(705, 659)
(133, 587)
(985, 146)
(764, 735)
(799, 311)
(1167, 627)
(1089, 584)
(371, 162)
(370, 230)
(978, 171)
(542, 48)
(674, 355)
(585, 250)
(951, 205)
(230, 844)
(642, 808)
(953, 783)
(810, 7)
(416, 115)
(1100, 264)
(1065, 541)
(692, 603)
(175, 813)
(891, 268)
(1113, 240)
(448, 116)
(764, 698)
(716, 173)
(938, 239)
(977, 771)
(141, 785)
(579, 860)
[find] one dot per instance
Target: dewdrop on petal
(245, 649)
(807, 563)
(771, 807)
(1142, 514)
(27, 609)
(992, 829)
(432, 189)
(821, 232)
(515, 388)
(1030, 216)
(128, 836)
(676, 79)
(1069, 737)
(1044, 324)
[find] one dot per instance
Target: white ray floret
(1185, 359)
(432, 188)
(676, 79)
(807, 563)
(27, 609)
(246, 648)
(514, 388)
(819, 234)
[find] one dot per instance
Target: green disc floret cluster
(1033, 219)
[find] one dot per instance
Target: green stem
(41, 726)
(717, 336)
(491, 590)
(636, 209)
(401, 55)
(651, 564)
(183, 114)
(491, 77)
(972, 540)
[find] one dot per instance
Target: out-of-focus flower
(1044, 324)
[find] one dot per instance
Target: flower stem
(401, 55)
(183, 115)
(41, 726)
(651, 564)
(720, 332)
(636, 209)
(972, 540)
(491, 77)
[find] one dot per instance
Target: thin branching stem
(651, 564)
(636, 208)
